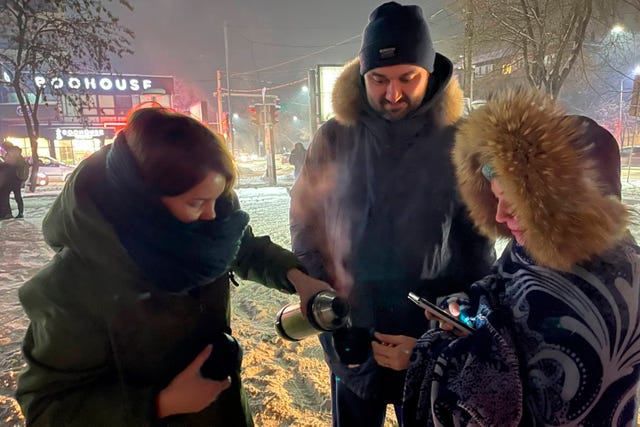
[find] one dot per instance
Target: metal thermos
(326, 312)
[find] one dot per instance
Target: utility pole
(230, 114)
(468, 49)
(269, 141)
(313, 113)
(219, 100)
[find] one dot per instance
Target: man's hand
(189, 392)
(306, 287)
(393, 351)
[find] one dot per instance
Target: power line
(297, 46)
(280, 86)
(298, 58)
(292, 45)
(288, 84)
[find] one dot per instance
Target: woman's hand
(454, 310)
(306, 287)
(189, 392)
(393, 351)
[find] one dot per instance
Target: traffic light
(272, 113)
(257, 114)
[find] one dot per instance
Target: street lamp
(617, 29)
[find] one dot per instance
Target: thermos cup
(326, 312)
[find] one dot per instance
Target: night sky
(185, 38)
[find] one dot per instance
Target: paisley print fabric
(574, 336)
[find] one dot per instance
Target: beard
(395, 110)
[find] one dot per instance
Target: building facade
(80, 113)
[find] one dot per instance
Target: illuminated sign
(13, 112)
(110, 84)
(19, 110)
(115, 127)
(327, 75)
(79, 133)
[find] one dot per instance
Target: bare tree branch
(53, 38)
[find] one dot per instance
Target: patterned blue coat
(551, 348)
(558, 320)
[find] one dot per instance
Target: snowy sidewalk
(23, 252)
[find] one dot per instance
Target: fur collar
(551, 184)
(347, 96)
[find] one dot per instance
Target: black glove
(353, 345)
(225, 358)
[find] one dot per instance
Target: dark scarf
(173, 255)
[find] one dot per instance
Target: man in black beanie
(375, 210)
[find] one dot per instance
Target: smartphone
(440, 314)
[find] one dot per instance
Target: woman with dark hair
(147, 233)
(557, 323)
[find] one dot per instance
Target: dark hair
(175, 152)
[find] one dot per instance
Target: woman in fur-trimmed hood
(557, 338)
(558, 172)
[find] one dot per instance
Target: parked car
(41, 181)
(635, 156)
(469, 106)
(54, 169)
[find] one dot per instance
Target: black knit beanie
(396, 34)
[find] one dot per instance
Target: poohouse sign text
(108, 84)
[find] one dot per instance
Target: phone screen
(440, 314)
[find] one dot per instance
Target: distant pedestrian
(7, 172)
(15, 181)
(296, 158)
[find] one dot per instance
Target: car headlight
(42, 178)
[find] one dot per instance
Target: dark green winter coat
(103, 341)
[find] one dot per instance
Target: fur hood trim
(347, 96)
(552, 185)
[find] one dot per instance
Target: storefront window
(71, 104)
(106, 105)
(164, 100)
(25, 144)
(64, 151)
(123, 104)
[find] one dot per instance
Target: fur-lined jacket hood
(348, 98)
(545, 160)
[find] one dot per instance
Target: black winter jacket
(376, 214)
